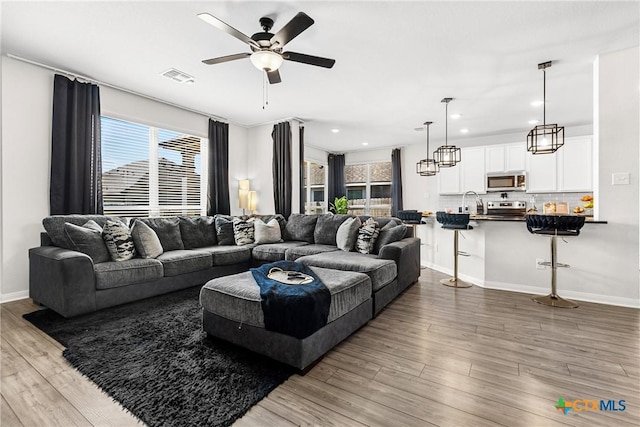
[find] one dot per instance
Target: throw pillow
(243, 231)
(367, 236)
(88, 240)
(347, 234)
(267, 233)
(168, 231)
(267, 218)
(119, 242)
(224, 230)
(300, 227)
(198, 231)
(390, 235)
(327, 227)
(146, 240)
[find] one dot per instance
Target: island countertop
(511, 218)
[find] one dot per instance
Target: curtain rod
(112, 86)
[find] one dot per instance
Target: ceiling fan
(266, 47)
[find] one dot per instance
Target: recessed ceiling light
(533, 122)
(465, 130)
(537, 103)
(455, 116)
(334, 130)
(365, 143)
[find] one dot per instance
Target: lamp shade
(447, 156)
(545, 139)
(266, 60)
(243, 193)
(427, 167)
(252, 201)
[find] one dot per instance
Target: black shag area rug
(153, 357)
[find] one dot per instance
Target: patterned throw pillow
(367, 236)
(347, 234)
(146, 240)
(243, 231)
(88, 240)
(119, 242)
(224, 230)
(267, 233)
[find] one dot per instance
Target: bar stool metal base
(455, 283)
(554, 301)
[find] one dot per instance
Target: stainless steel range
(511, 207)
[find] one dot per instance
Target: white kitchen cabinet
(541, 173)
(449, 180)
(514, 157)
(575, 165)
(473, 175)
(494, 158)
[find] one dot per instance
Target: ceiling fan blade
(227, 58)
(274, 77)
(309, 59)
(212, 20)
(298, 24)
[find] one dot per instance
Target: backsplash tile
(454, 201)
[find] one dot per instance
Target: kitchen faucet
(479, 204)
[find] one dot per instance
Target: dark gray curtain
(303, 193)
(218, 188)
(336, 185)
(282, 168)
(396, 181)
(76, 161)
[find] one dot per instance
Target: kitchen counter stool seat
(455, 222)
(554, 226)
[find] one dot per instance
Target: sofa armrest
(62, 280)
(406, 254)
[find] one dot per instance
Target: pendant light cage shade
(545, 139)
(427, 167)
(447, 156)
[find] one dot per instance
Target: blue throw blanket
(296, 310)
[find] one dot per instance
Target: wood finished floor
(435, 356)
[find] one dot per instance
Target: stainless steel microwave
(507, 181)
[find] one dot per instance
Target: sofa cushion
(243, 232)
(117, 238)
(146, 240)
(54, 226)
(389, 234)
(300, 228)
(381, 271)
(273, 251)
(168, 231)
(224, 230)
(228, 255)
(88, 240)
(267, 233)
(367, 236)
(198, 231)
(116, 274)
(296, 252)
(184, 261)
(347, 234)
(327, 227)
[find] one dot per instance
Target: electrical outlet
(539, 264)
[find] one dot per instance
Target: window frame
(308, 187)
(368, 206)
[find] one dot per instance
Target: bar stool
(455, 222)
(554, 226)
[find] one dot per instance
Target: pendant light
(427, 167)
(447, 155)
(544, 138)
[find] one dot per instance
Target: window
(369, 188)
(147, 171)
(315, 188)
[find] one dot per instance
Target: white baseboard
(14, 296)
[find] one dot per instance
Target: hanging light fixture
(427, 167)
(544, 138)
(447, 155)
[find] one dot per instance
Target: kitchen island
(502, 254)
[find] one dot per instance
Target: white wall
(418, 192)
(260, 158)
(315, 154)
(26, 140)
(368, 156)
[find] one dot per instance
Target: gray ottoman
(232, 311)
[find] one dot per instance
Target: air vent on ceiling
(178, 76)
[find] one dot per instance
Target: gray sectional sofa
(71, 282)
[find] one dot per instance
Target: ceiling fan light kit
(266, 60)
(446, 155)
(545, 138)
(427, 167)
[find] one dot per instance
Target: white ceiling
(395, 61)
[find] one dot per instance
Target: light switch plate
(620, 178)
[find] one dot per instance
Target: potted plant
(339, 205)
